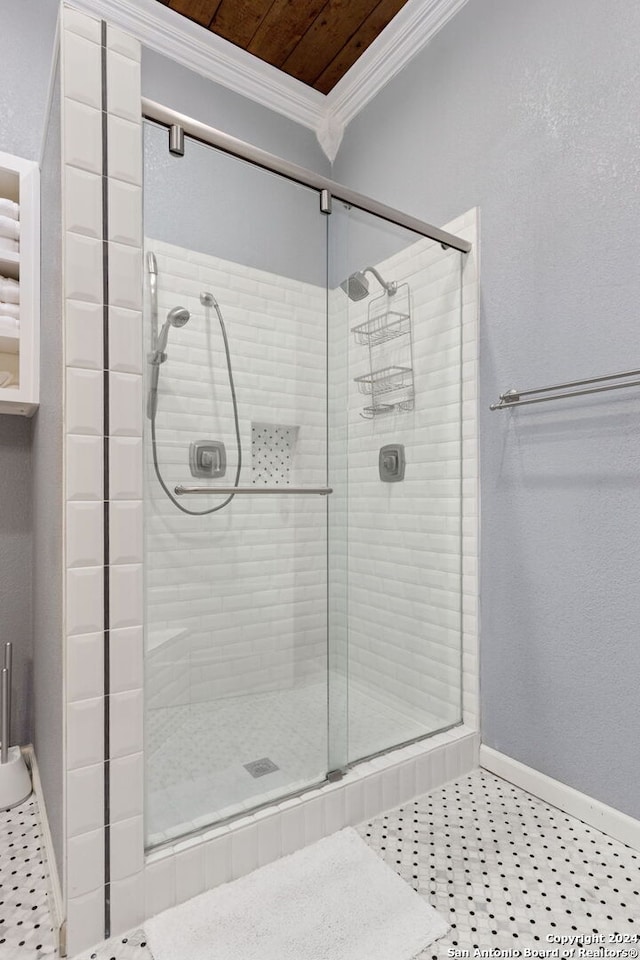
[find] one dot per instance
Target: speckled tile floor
(505, 869)
(25, 923)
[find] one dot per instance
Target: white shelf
(9, 342)
(20, 350)
(9, 264)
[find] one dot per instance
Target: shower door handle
(181, 490)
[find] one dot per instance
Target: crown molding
(189, 44)
(409, 32)
(167, 32)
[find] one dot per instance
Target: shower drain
(258, 768)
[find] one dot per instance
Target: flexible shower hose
(156, 466)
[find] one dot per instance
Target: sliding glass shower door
(303, 485)
(395, 443)
(236, 582)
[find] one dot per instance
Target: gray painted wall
(27, 30)
(244, 213)
(529, 110)
(222, 206)
(177, 87)
(48, 494)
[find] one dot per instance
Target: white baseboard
(612, 822)
(56, 903)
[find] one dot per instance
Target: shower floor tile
(26, 932)
(195, 773)
(505, 869)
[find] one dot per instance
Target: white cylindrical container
(15, 782)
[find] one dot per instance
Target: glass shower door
(395, 427)
(236, 583)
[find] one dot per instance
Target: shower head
(356, 286)
(177, 317)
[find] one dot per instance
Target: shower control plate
(391, 463)
(207, 458)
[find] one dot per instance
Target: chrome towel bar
(181, 491)
(513, 398)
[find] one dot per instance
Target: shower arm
(390, 286)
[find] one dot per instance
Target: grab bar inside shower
(181, 490)
(513, 398)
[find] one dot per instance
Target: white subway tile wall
(247, 583)
(235, 601)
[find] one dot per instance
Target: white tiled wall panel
(82, 70)
(84, 656)
(82, 136)
(85, 247)
(124, 194)
(83, 335)
(83, 193)
(84, 800)
(243, 590)
(125, 349)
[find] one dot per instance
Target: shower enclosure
(302, 483)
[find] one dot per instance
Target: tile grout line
(106, 511)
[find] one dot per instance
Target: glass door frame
(177, 126)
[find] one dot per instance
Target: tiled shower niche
(272, 453)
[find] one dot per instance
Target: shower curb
(188, 868)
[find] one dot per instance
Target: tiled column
(103, 413)
(124, 429)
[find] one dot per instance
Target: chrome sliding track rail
(563, 391)
(239, 148)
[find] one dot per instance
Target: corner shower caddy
(388, 318)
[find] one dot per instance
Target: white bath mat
(334, 900)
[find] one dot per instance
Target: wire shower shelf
(388, 317)
(385, 380)
(381, 409)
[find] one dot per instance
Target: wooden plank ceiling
(315, 41)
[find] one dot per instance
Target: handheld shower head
(356, 286)
(177, 317)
